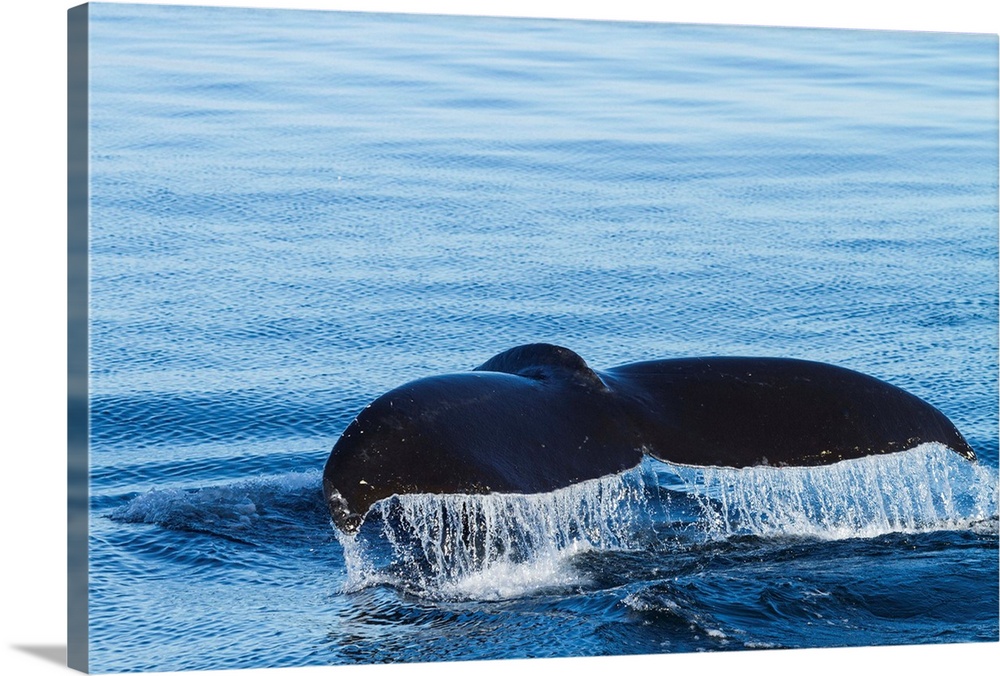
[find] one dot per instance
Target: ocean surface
(294, 212)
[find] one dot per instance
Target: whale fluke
(536, 418)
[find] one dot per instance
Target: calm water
(293, 212)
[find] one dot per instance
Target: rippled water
(293, 212)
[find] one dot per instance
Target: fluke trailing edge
(536, 418)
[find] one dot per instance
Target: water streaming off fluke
(502, 545)
(927, 488)
(491, 545)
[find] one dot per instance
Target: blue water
(293, 212)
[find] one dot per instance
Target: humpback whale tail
(537, 418)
